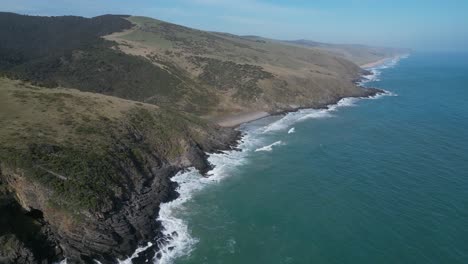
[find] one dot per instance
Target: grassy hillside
(246, 74)
(207, 73)
(69, 51)
(85, 167)
(90, 165)
(66, 139)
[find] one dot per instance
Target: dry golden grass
(300, 76)
(75, 142)
(28, 111)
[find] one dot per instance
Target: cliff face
(95, 172)
(108, 232)
(83, 171)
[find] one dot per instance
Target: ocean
(380, 180)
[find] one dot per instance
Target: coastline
(124, 166)
(382, 61)
(376, 63)
(161, 247)
(234, 121)
(326, 157)
(238, 119)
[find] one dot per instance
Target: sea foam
(269, 147)
(176, 240)
(377, 70)
(305, 114)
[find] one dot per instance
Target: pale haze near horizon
(420, 25)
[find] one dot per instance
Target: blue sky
(418, 24)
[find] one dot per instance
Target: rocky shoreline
(151, 251)
(113, 232)
(369, 92)
(203, 166)
(84, 166)
(366, 93)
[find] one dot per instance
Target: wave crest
(269, 147)
(176, 240)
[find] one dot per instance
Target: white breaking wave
(374, 76)
(380, 95)
(377, 70)
(304, 114)
(176, 240)
(135, 254)
(322, 113)
(269, 147)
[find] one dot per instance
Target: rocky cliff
(96, 115)
(92, 169)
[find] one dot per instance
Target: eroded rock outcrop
(91, 185)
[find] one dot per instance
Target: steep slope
(69, 51)
(207, 73)
(82, 172)
(245, 74)
(90, 170)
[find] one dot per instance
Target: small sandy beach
(237, 119)
(375, 63)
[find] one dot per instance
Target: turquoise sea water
(371, 181)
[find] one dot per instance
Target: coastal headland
(97, 114)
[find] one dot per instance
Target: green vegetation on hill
(89, 164)
(26, 38)
(245, 74)
(98, 155)
(80, 144)
(148, 60)
(66, 139)
(69, 51)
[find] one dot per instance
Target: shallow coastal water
(367, 181)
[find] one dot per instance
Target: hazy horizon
(419, 25)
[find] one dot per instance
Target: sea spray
(305, 114)
(269, 147)
(176, 240)
(134, 255)
(351, 183)
(377, 70)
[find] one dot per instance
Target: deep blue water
(383, 181)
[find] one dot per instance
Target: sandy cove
(241, 118)
(375, 63)
(238, 119)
